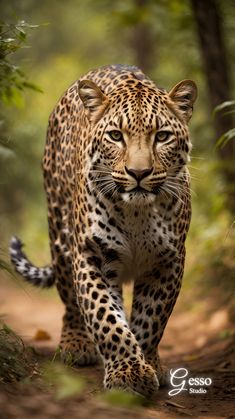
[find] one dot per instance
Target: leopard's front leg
(101, 303)
(153, 301)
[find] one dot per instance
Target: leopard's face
(140, 144)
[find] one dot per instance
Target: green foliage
(123, 398)
(13, 82)
(210, 262)
(16, 362)
(13, 79)
(228, 106)
(225, 138)
(5, 152)
(66, 382)
(225, 108)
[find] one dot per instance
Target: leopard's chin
(139, 198)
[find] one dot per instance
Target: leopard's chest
(137, 238)
(149, 238)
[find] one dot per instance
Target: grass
(16, 361)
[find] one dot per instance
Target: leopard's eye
(162, 136)
(115, 135)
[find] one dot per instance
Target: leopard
(117, 183)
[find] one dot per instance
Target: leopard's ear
(184, 95)
(93, 99)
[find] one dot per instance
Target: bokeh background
(44, 47)
(170, 40)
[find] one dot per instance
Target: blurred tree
(142, 38)
(211, 38)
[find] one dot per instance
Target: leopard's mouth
(141, 196)
(138, 194)
(136, 191)
(139, 190)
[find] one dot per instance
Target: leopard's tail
(41, 277)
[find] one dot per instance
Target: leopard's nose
(139, 174)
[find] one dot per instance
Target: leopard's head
(139, 138)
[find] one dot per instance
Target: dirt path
(190, 342)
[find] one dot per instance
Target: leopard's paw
(163, 374)
(136, 377)
(78, 352)
(161, 370)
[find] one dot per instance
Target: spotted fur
(118, 193)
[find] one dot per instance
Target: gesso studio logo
(180, 382)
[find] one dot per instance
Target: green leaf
(13, 80)
(229, 135)
(32, 86)
(5, 152)
(22, 36)
(66, 382)
(122, 398)
(223, 106)
(69, 385)
(6, 40)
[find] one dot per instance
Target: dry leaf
(190, 357)
(175, 404)
(41, 335)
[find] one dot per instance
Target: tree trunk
(142, 39)
(210, 33)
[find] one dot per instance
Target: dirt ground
(192, 340)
